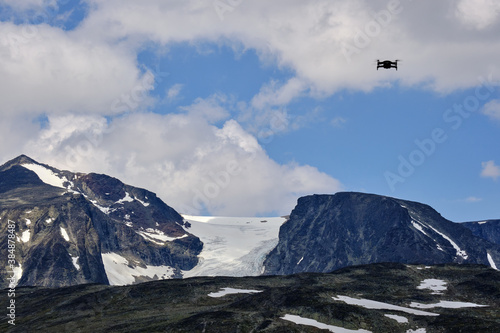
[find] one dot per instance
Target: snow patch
(418, 227)
(75, 262)
(120, 273)
(399, 319)
(46, 175)
(25, 236)
(460, 252)
(64, 234)
(18, 273)
(419, 330)
(127, 198)
(105, 210)
(229, 291)
(311, 322)
(483, 222)
(369, 304)
(49, 220)
(445, 304)
(300, 260)
(437, 286)
(145, 204)
(28, 221)
(490, 260)
(155, 235)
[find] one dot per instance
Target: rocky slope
(489, 230)
(67, 223)
(327, 232)
(373, 298)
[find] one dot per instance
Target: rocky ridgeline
(67, 221)
(327, 232)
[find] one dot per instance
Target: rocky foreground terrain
(372, 298)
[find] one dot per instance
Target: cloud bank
(194, 166)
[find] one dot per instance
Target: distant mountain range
(74, 228)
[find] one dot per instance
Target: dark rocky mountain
(327, 232)
(489, 229)
(401, 298)
(66, 223)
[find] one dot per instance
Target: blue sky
(239, 108)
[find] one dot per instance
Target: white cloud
(338, 122)
(28, 4)
(490, 170)
(492, 109)
(472, 199)
(274, 94)
(479, 14)
(208, 108)
(308, 37)
(191, 164)
(15, 131)
(174, 91)
(94, 67)
(45, 69)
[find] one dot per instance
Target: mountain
(74, 228)
(370, 298)
(489, 229)
(327, 232)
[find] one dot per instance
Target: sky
(238, 107)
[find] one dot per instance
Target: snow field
(229, 291)
(233, 246)
(370, 304)
(445, 304)
(46, 175)
(437, 286)
(120, 273)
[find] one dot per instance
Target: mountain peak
(21, 159)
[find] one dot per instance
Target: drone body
(387, 64)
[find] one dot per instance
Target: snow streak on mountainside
(233, 246)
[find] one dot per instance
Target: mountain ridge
(92, 228)
(66, 221)
(327, 232)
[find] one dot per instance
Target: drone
(387, 64)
